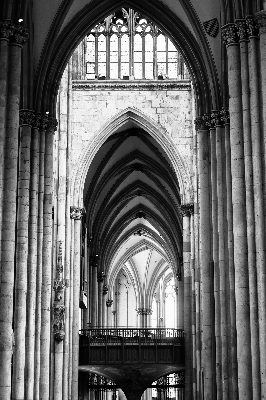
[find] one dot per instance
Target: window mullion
(143, 56)
(107, 55)
(131, 43)
(166, 51)
(155, 69)
(119, 57)
(96, 56)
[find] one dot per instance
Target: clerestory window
(128, 46)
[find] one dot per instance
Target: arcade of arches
(132, 195)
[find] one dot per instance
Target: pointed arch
(150, 126)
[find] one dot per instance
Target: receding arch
(151, 127)
(197, 56)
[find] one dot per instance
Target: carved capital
(260, 18)
(144, 311)
(26, 117)
(216, 118)
(94, 261)
(229, 34)
(186, 209)
(252, 26)
(77, 212)
(105, 289)
(7, 29)
(20, 35)
(43, 122)
(225, 115)
(37, 120)
(109, 303)
(200, 123)
(208, 121)
(179, 276)
(241, 29)
(52, 124)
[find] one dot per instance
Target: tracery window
(128, 46)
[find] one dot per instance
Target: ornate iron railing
(100, 336)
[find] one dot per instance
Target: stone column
(46, 291)
(239, 213)
(205, 258)
(37, 360)
(186, 211)
(26, 118)
(109, 303)
(257, 139)
(32, 261)
(76, 214)
(180, 294)
(9, 199)
(100, 279)
(94, 265)
(104, 307)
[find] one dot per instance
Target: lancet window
(128, 46)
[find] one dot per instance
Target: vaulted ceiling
(132, 198)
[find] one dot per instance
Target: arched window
(128, 46)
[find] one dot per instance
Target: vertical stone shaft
(251, 221)
(239, 219)
(26, 119)
(187, 302)
(257, 140)
(9, 216)
(216, 272)
(94, 297)
(37, 359)
(100, 302)
(231, 272)
(221, 187)
(46, 263)
(205, 257)
(32, 263)
(180, 305)
(75, 324)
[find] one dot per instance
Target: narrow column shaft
(46, 263)
(37, 360)
(94, 297)
(180, 305)
(26, 119)
(9, 217)
(100, 303)
(205, 257)
(239, 221)
(32, 262)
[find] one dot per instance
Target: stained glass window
(128, 46)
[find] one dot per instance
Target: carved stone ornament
(59, 308)
(37, 120)
(76, 212)
(52, 124)
(94, 261)
(130, 86)
(144, 311)
(200, 123)
(208, 121)
(20, 35)
(7, 29)
(216, 118)
(43, 122)
(26, 117)
(109, 303)
(261, 20)
(225, 116)
(229, 34)
(179, 276)
(241, 29)
(105, 289)
(186, 209)
(252, 26)
(100, 276)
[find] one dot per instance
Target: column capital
(260, 18)
(109, 303)
(105, 289)
(26, 117)
(144, 311)
(52, 124)
(225, 115)
(216, 118)
(100, 277)
(43, 122)
(200, 123)
(77, 212)
(94, 260)
(252, 26)
(7, 29)
(229, 34)
(186, 209)
(37, 120)
(20, 35)
(241, 30)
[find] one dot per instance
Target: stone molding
(260, 18)
(144, 311)
(26, 117)
(130, 85)
(59, 308)
(109, 303)
(229, 34)
(77, 213)
(186, 209)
